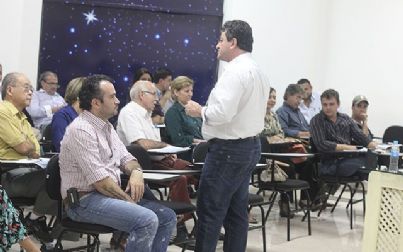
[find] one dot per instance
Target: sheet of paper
(41, 162)
(169, 149)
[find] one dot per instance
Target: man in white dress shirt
(231, 120)
(310, 104)
(46, 101)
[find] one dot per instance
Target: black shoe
(39, 228)
(285, 209)
(192, 193)
(182, 234)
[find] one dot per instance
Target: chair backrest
(53, 178)
(200, 152)
(142, 156)
(392, 133)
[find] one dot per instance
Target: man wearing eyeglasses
(18, 141)
(135, 126)
(46, 101)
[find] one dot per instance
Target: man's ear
(95, 103)
(234, 43)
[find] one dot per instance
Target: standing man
(91, 159)
(46, 101)
(310, 104)
(232, 120)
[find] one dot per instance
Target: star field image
(79, 38)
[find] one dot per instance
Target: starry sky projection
(115, 38)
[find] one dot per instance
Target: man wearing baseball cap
(359, 114)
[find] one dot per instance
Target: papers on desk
(41, 162)
(364, 149)
(159, 177)
(169, 150)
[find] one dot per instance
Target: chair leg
(263, 228)
(327, 195)
(363, 196)
(355, 190)
(351, 205)
(338, 198)
(288, 216)
(272, 199)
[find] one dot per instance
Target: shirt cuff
(48, 110)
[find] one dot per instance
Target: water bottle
(394, 158)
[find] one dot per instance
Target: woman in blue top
(62, 118)
(182, 129)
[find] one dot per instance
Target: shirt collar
(95, 121)
(143, 111)
(285, 104)
(13, 109)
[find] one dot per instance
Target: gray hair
(137, 88)
(43, 76)
(10, 79)
(293, 89)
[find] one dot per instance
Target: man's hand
(135, 185)
(372, 145)
(304, 134)
(193, 109)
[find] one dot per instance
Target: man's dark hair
(139, 72)
(329, 94)
(241, 31)
(303, 81)
(161, 73)
(293, 89)
(91, 89)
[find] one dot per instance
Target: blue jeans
(149, 224)
(344, 167)
(223, 194)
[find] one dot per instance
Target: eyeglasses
(52, 83)
(149, 92)
(26, 88)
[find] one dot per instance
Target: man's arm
(27, 148)
(109, 188)
(136, 182)
(150, 144)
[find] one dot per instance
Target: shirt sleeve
(283, 119)
(174, 125)
(224, 99)
(10, 134)
(59, 125)
(36, 110)
(357, 134)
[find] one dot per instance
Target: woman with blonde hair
(62, 118)
(183, 130)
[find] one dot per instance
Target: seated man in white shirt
(310, 104)
(135, 126)
(46, 101)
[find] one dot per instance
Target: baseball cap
(359, 98)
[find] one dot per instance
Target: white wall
(354, 46)
(20, 33)
(364, 55)
(289, 37)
